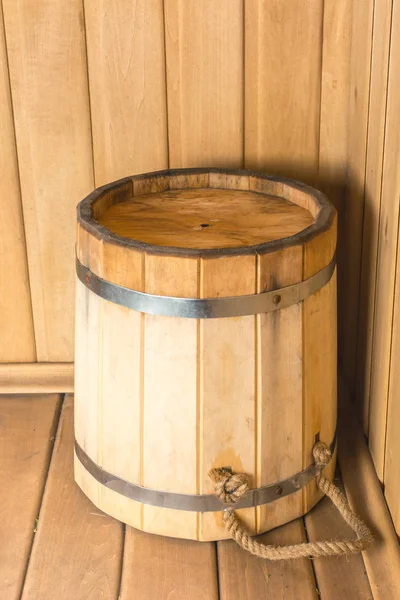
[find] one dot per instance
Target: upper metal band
(197, 502)
(205, 308)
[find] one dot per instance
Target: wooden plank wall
(93, 91)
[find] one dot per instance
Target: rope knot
(229, 487)
(322, 455)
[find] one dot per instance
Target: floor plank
(363, 489)
(244, 576)
(343, 576)
(77, 549)
(27, 426)
(78, 554)
(161, 568)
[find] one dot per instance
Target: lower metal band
(205, 308)
(200, 502)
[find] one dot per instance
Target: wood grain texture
(204, 50)
(35, 378)
(46, 50)
(244, 576)
(345, 576)
(220, 187)
(279, 370)
(380, 435)
(364, 492)
(77, 549)
(334, 112)
(335, 123)
(320, 351)
(125, 42)
(372, 200)
(219, 386)
(361, 36)
(282, 60)
(227, 355)
(386, 259)
(206, 218)
(169, 412)
(392, 448)
(119, 397)
(27, 429)
(16, 322)
(166, 569)
(88, 375)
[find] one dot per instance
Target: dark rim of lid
(322, 222)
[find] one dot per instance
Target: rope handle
(230, 487)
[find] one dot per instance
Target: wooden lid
(200, 212)
(205, 218)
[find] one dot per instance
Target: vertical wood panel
(319, 358)
(386, 260)
(170, 411)
(126, 60)
(354, 203)
(283, 44)
(228, 402)
(387, 345)
(46, 49)
(280, 386)
(335, 85)
(16, 324)
(119, 424)
(204, 44)
(373, 187)
(334, 120)
(87, 410)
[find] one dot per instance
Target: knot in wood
(322, 455)
(229, 487)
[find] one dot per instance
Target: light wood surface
(77, 550)
(46, 53)
(377, 436)
(360, 66)
(334, 113)
(364, 492)
(204, 54)
(279, 369)
(76, 554)
(165, 568)
(335, 125)
(126, 65)
(392, 448)
(169, 417)
(27, 429)
(245, 576)
(319, 357)
(373, 187)
(212, 390)
(35, 378)
(298, 88)
(16, 324)
(205, 218)
(282, 56)
(227, 394)
(386, 261)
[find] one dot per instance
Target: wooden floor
(56, 545)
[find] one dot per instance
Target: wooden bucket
(205, 337)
